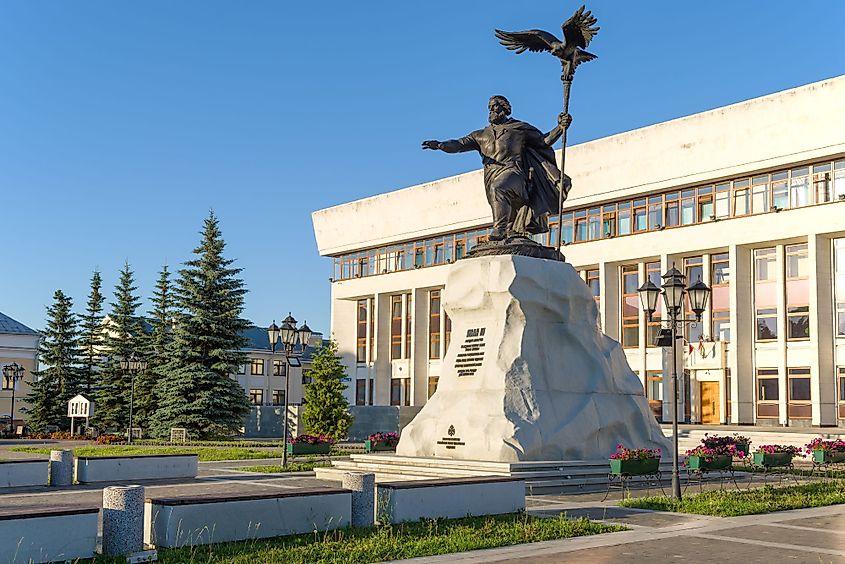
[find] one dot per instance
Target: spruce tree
(60, 380)
(326, 410)
(196, 391)
(123, 338)
(157, 347)
(91, 339)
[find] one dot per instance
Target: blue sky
(123, 123)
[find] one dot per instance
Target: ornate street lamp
(289, 334)
(674, 288)
(133, 365)
(13, 372)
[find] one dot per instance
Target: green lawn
(730, 503)
(424, 538)
(292, 467)
(205, 454)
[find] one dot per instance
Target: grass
(410, 540)
(205, 454)
(292, 467)
(732, 503)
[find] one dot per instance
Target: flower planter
(772, 459)
(634, 467)
(741, 449)
(828, 456)
(717, 462)
(375, 446)
(308, 448)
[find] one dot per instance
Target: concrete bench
(142, 467)
(34, 535)
(17, 473)
(412, 500)
(188, 521)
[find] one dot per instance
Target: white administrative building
(749, 197)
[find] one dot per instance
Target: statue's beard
(498, 117)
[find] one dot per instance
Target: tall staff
(578, 31)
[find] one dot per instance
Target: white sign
(80, 406)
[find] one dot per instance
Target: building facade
(750, 198)
(18, 344)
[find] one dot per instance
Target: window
(694, 271)
(278, 367)
(841, 397)
(608, 221)
(434, 324)
(839, 179)
(362, 331)
(780, 190)
(652, 270)
(395, 327)
(623, 216)
(797, 292)
(799, 187)
(567, 232)
(256, 367)
(705, 204)
(395, 391)
(581, 225)
(654, 385)
(432, 384)
(723, 200)
(242, 369)
(760, 194)
(799, 406)
(594, 224)
(720, 298)
(768, 392)
(640, 215)
(360, 392)
(688, 207)
(765, 294)
(409, 312)
(655, 212)
(742, 202)
(593, 284)
(256, 397)
(278, 397)
(821, 182)
(630, 306)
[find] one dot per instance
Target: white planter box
(190, 521)
(146, 467)
(18, 473)
(397, 502)
(31, 536)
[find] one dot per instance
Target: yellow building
(18, 344)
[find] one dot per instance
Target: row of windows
(802, 186)
(256, 367)
(256, 397)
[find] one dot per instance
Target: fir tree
(123, 338)
(196, 391)
(91, 339)
(157, 346)
(326, 409)
(60, 380)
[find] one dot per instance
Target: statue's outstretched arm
(563, 122)
(461, 145)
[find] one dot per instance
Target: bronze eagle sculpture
(578, 31)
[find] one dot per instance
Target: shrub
(385, 437)
(709, 454)
(111, 439)
(312, 439)
(774, 449)
(725, 443)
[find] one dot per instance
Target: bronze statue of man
(520, 172)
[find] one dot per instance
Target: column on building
(823, 365)
(741, 350)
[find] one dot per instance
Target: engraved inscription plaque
(451, 441)
(471, 354)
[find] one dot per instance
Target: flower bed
(704, 458)
(772, 456)
(310, 444)
(634, 461)
(381, 442)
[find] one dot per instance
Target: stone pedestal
(363, 497)
(528, 376)
(123, 519)
(61, 467)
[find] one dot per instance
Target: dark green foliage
(195, 390)
(91, 334)
(123, 337)
(156, 346)
(326, 409)
(60, 380)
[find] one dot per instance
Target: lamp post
(289, 334)
(674, 288)
(13, 372)
(133, 365)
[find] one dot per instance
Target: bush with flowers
(312, 440)
(780, 449)
(837, 445)
(623, 453)
(389, 438)
(735, 445)
(710, 454)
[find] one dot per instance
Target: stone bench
(188, 521)
(34, 535)
(18, 473)
(142, 467)
(411, 500)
